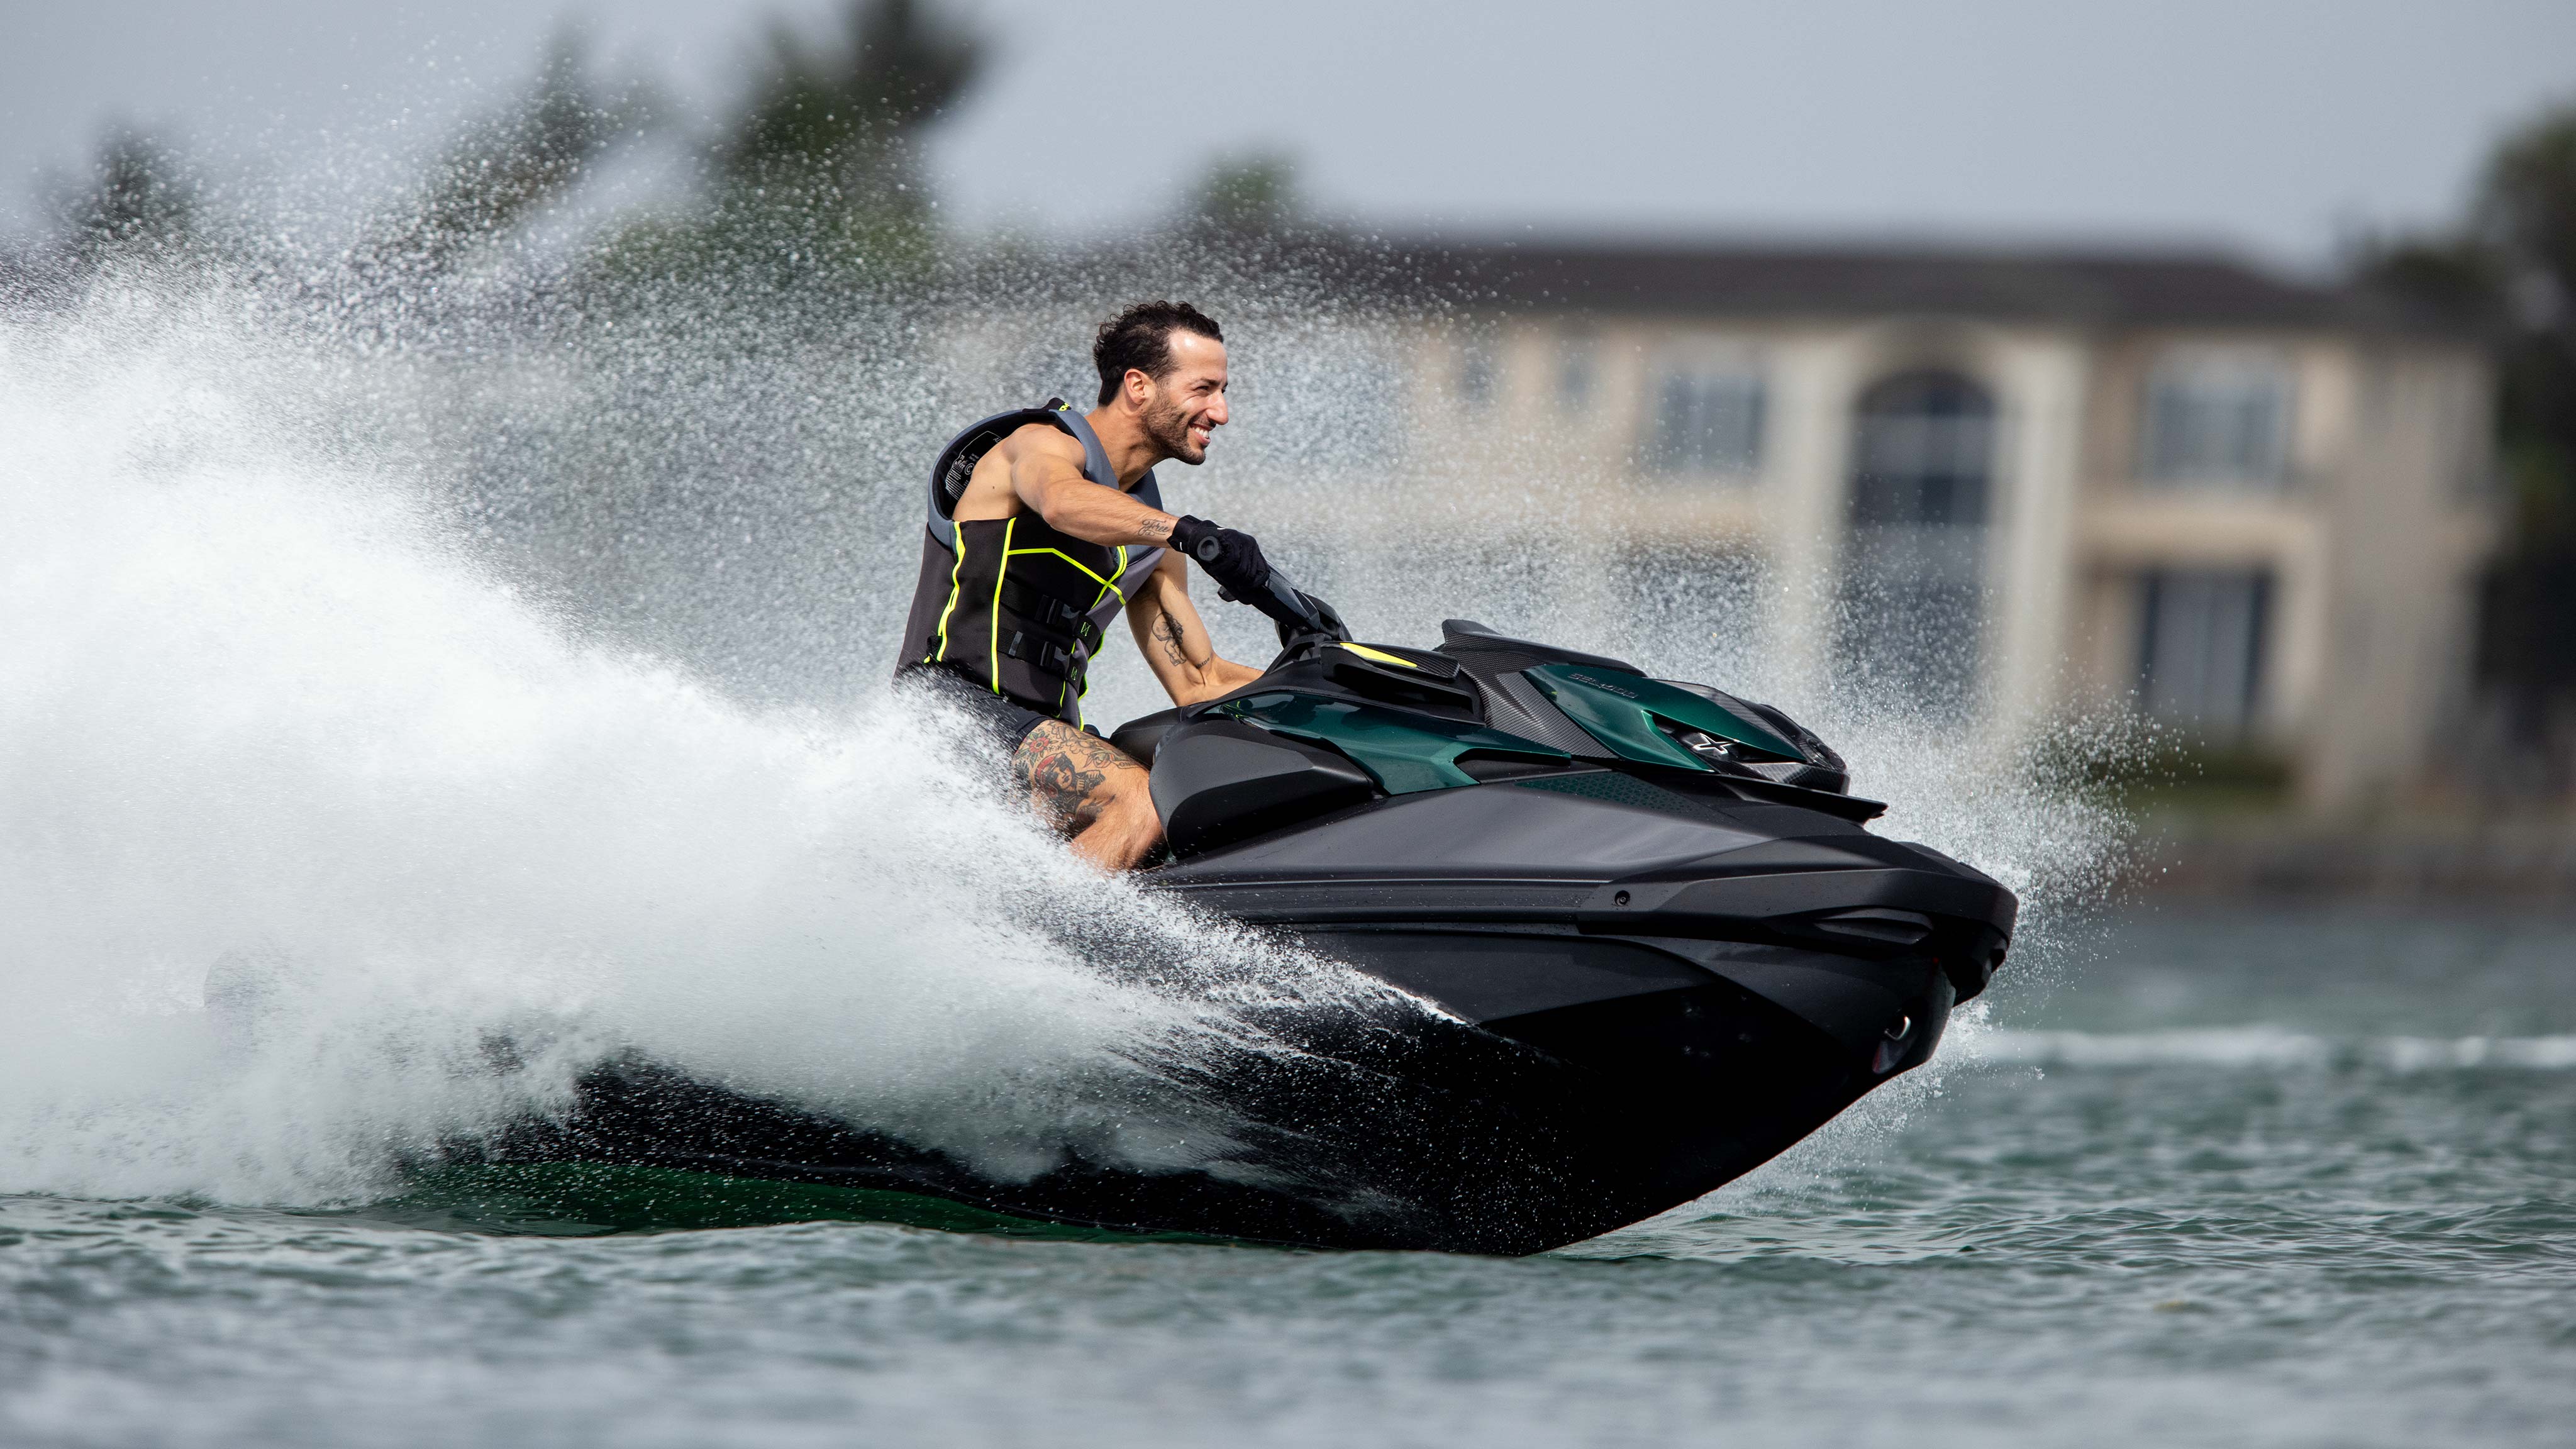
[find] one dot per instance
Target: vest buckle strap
(1051, 613)
(1043, 654)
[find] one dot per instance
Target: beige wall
(2372, 543)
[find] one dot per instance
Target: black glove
(1232, 559)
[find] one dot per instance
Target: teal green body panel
(1620, 711)
(1405, 752)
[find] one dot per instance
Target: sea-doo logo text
(1605, 684)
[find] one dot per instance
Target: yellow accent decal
(1380, 656)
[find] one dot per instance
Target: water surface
(2251, 1178)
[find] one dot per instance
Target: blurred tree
(842, 123)
(2456, 277)
(138, 201)
(505, 166)
(2510, 271)
(1248, 196)
(822, 167)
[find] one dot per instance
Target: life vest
(1012, 603)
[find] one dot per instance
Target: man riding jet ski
(1642, 937)
(1044, 523)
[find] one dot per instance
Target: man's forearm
(1215, 684)
(1216, 678)
(1230, 676)
(1102, 515)
(1192, 669)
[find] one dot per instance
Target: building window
(1478, 370)
(1912, 617)
(2218, 419)
(1578, 370)
(1926, 443)
(1708, 423)
(2200, 647)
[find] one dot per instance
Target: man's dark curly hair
(1141, 338)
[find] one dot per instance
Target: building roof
(2101, 288)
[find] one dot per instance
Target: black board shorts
(1002, 720)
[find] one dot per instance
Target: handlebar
(1302, 619)
(1297, 612)
(1304, 622)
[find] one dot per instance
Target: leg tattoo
(1065, 770)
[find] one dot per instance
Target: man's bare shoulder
(1033, 453)
(1030, 441)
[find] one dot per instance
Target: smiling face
(1186, 406)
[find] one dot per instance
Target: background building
(2009, 483)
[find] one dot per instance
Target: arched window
(1913, 581)
(1925, 444)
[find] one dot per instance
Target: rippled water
(2238, 1179)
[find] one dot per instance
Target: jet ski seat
(1140, 738)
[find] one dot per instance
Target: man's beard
(1169, 426)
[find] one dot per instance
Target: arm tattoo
(1156, 530)
(1168, 630)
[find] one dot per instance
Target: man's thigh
(1004, 723)
(1073, 775)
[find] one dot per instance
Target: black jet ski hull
(1526, 1131)
(1644, 975)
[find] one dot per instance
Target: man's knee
(1132, 798)
(1076, 778)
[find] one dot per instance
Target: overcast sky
(2280, 128)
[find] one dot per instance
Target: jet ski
(1650, 939)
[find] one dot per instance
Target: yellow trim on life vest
(956, 587)
(1111, 586)
(1379, 656)
(1000, 574)
(1009, 553)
